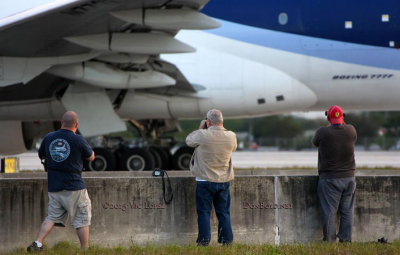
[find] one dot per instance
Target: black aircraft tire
(157, 157)
(137, 159)
(104, 161)
(165, 157)
(181, 158)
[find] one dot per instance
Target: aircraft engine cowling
(12, 138)
(17, 136)
(106, 76)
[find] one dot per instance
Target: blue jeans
(337, 194)
(208, 193)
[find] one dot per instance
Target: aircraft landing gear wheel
(137, 160)
(163, 156)
(104, 161)
(157, 157)
(181, 158)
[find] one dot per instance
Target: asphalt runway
(292, 159)
(270, 159)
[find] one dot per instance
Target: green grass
(65, 248)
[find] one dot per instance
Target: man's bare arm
(91, 158)
(315, 140)
(314, 143)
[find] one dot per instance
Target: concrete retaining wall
(129, 208)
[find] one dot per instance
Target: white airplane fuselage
(232, 67)
(244, 79)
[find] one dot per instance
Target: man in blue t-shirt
(64, 152)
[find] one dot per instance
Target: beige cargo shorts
(75, 203)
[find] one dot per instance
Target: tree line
(377, 127)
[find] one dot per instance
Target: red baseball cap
(335, 114)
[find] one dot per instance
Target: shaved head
(70, 119)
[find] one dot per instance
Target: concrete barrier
(129, 208)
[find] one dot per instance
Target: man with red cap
(336, 167)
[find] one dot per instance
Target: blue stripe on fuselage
(317, 18)
(317, 47)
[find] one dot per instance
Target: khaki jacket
(211, 160)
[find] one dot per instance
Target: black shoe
(34, 248)
(383, 240)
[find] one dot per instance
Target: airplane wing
(76, 51)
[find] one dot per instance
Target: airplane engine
(13, 140)
(17, 136)
(106, 76)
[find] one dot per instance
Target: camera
(158, 172)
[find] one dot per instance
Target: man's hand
(203, 124)
(91, 158)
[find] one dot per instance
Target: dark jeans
(208, 193)
(337, 194)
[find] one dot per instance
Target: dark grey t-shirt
(336, 151)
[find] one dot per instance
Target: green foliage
(283, 127)
(235, 249)
(130, 134)
(392, 124)
(187, 126)
(367, 124)
(190, 125)
(277, 126)
(238, 125)
(311, 124)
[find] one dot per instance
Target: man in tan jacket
(211, 163)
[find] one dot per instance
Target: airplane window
(280, 98)
(348, 24)
(283, 18)
(261, 101)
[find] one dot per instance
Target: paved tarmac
(309, 159)
(270, 159)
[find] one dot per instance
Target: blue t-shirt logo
(59, 150)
